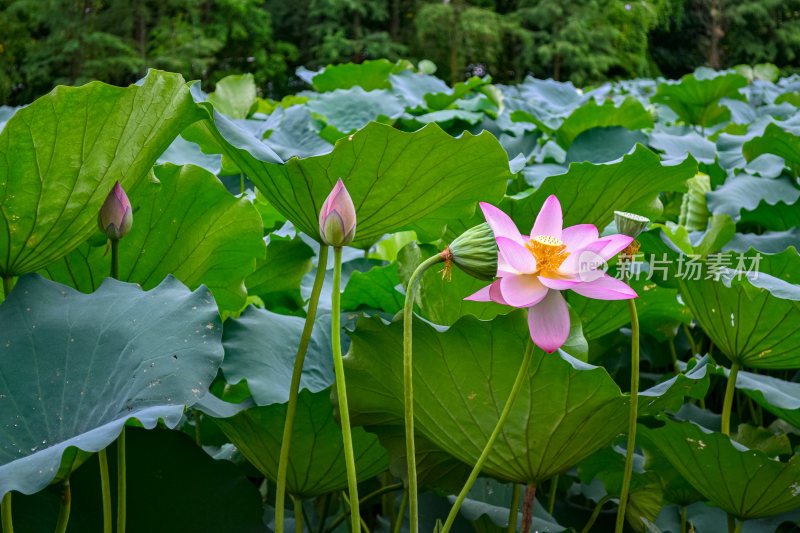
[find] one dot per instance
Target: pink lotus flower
(115, 217)
(534, 270)
(337, 218)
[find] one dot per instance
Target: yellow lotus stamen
(549, 253)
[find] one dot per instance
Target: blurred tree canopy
(47, 42)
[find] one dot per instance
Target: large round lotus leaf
(186, 224)
(60, 156)
(260, 346)
(74, 367)
(743, 482)
(753, 321)
(394, 178)
(565, 410)
(697, 101)
(589, 193)
(316, 458)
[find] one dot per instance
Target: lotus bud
(337, 219)
(474, 252)
(630, 224)
(115, 217)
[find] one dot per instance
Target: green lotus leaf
(316, 458)
(780, 397)
(443, 100)
(697, 101)
(412, 87)
(752, 320)
(168, 474)
(632, 185)
(743, 482)
(630, 114)
(62, 154)
(186, 224)
(745, 193)
(280, 274)
(369, 75)
(374, 289)
(260, 347)
(394, 178)
(775, 140)
(565, 411)
(76, 366)
(234, 95)
(349, 110)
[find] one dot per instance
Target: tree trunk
(394, 28)
(455, 44)
(357, 56)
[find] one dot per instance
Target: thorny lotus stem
(401, 511)
(408, 390)
(552, 501)
(512, 512)
(8, 284)
(527, 508)
(634, 411)
(730, 389)
(522, 374)
(105, 488)
(63, 511)
(341, 390)
(122, 477)
(595, 513)
(294, 388)
(5, 512)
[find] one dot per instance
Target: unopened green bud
(475, 252)
(630, 224)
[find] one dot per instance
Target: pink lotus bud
(337, 219)
(115, 217)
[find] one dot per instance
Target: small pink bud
(337, 219)
(115, 217)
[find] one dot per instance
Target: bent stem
(408, 390)
(5, 511)
(294, 388)
(595, 513)
(521, 375)
(730, 389)
(626, 480)
(63, 511)
(105, 488)
(401, 512)
(341, 390)
(512, 512)
(374, 494)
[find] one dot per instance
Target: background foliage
(46, 42)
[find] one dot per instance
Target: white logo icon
(591, 266)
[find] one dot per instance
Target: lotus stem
(551, 503)
(527, 508)
(294, 388)
(738, 528)
(122, 481)
(401, 511)
(341, 390)
(521, 376)
(115, 258)
(298, 514)
(63, 511)
(5, 511)
(730, 389)
(408, 391)
(683, 519)
(595, 513)
(8, 284)
(326, 504)
(512, 512)
(374, 494)
(105, 488)
(634, 411)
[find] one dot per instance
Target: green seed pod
(475, 252)
(694, 209)
(630, 224)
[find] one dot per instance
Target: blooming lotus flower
(115, 217)
(337, 218)
(533, 270)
